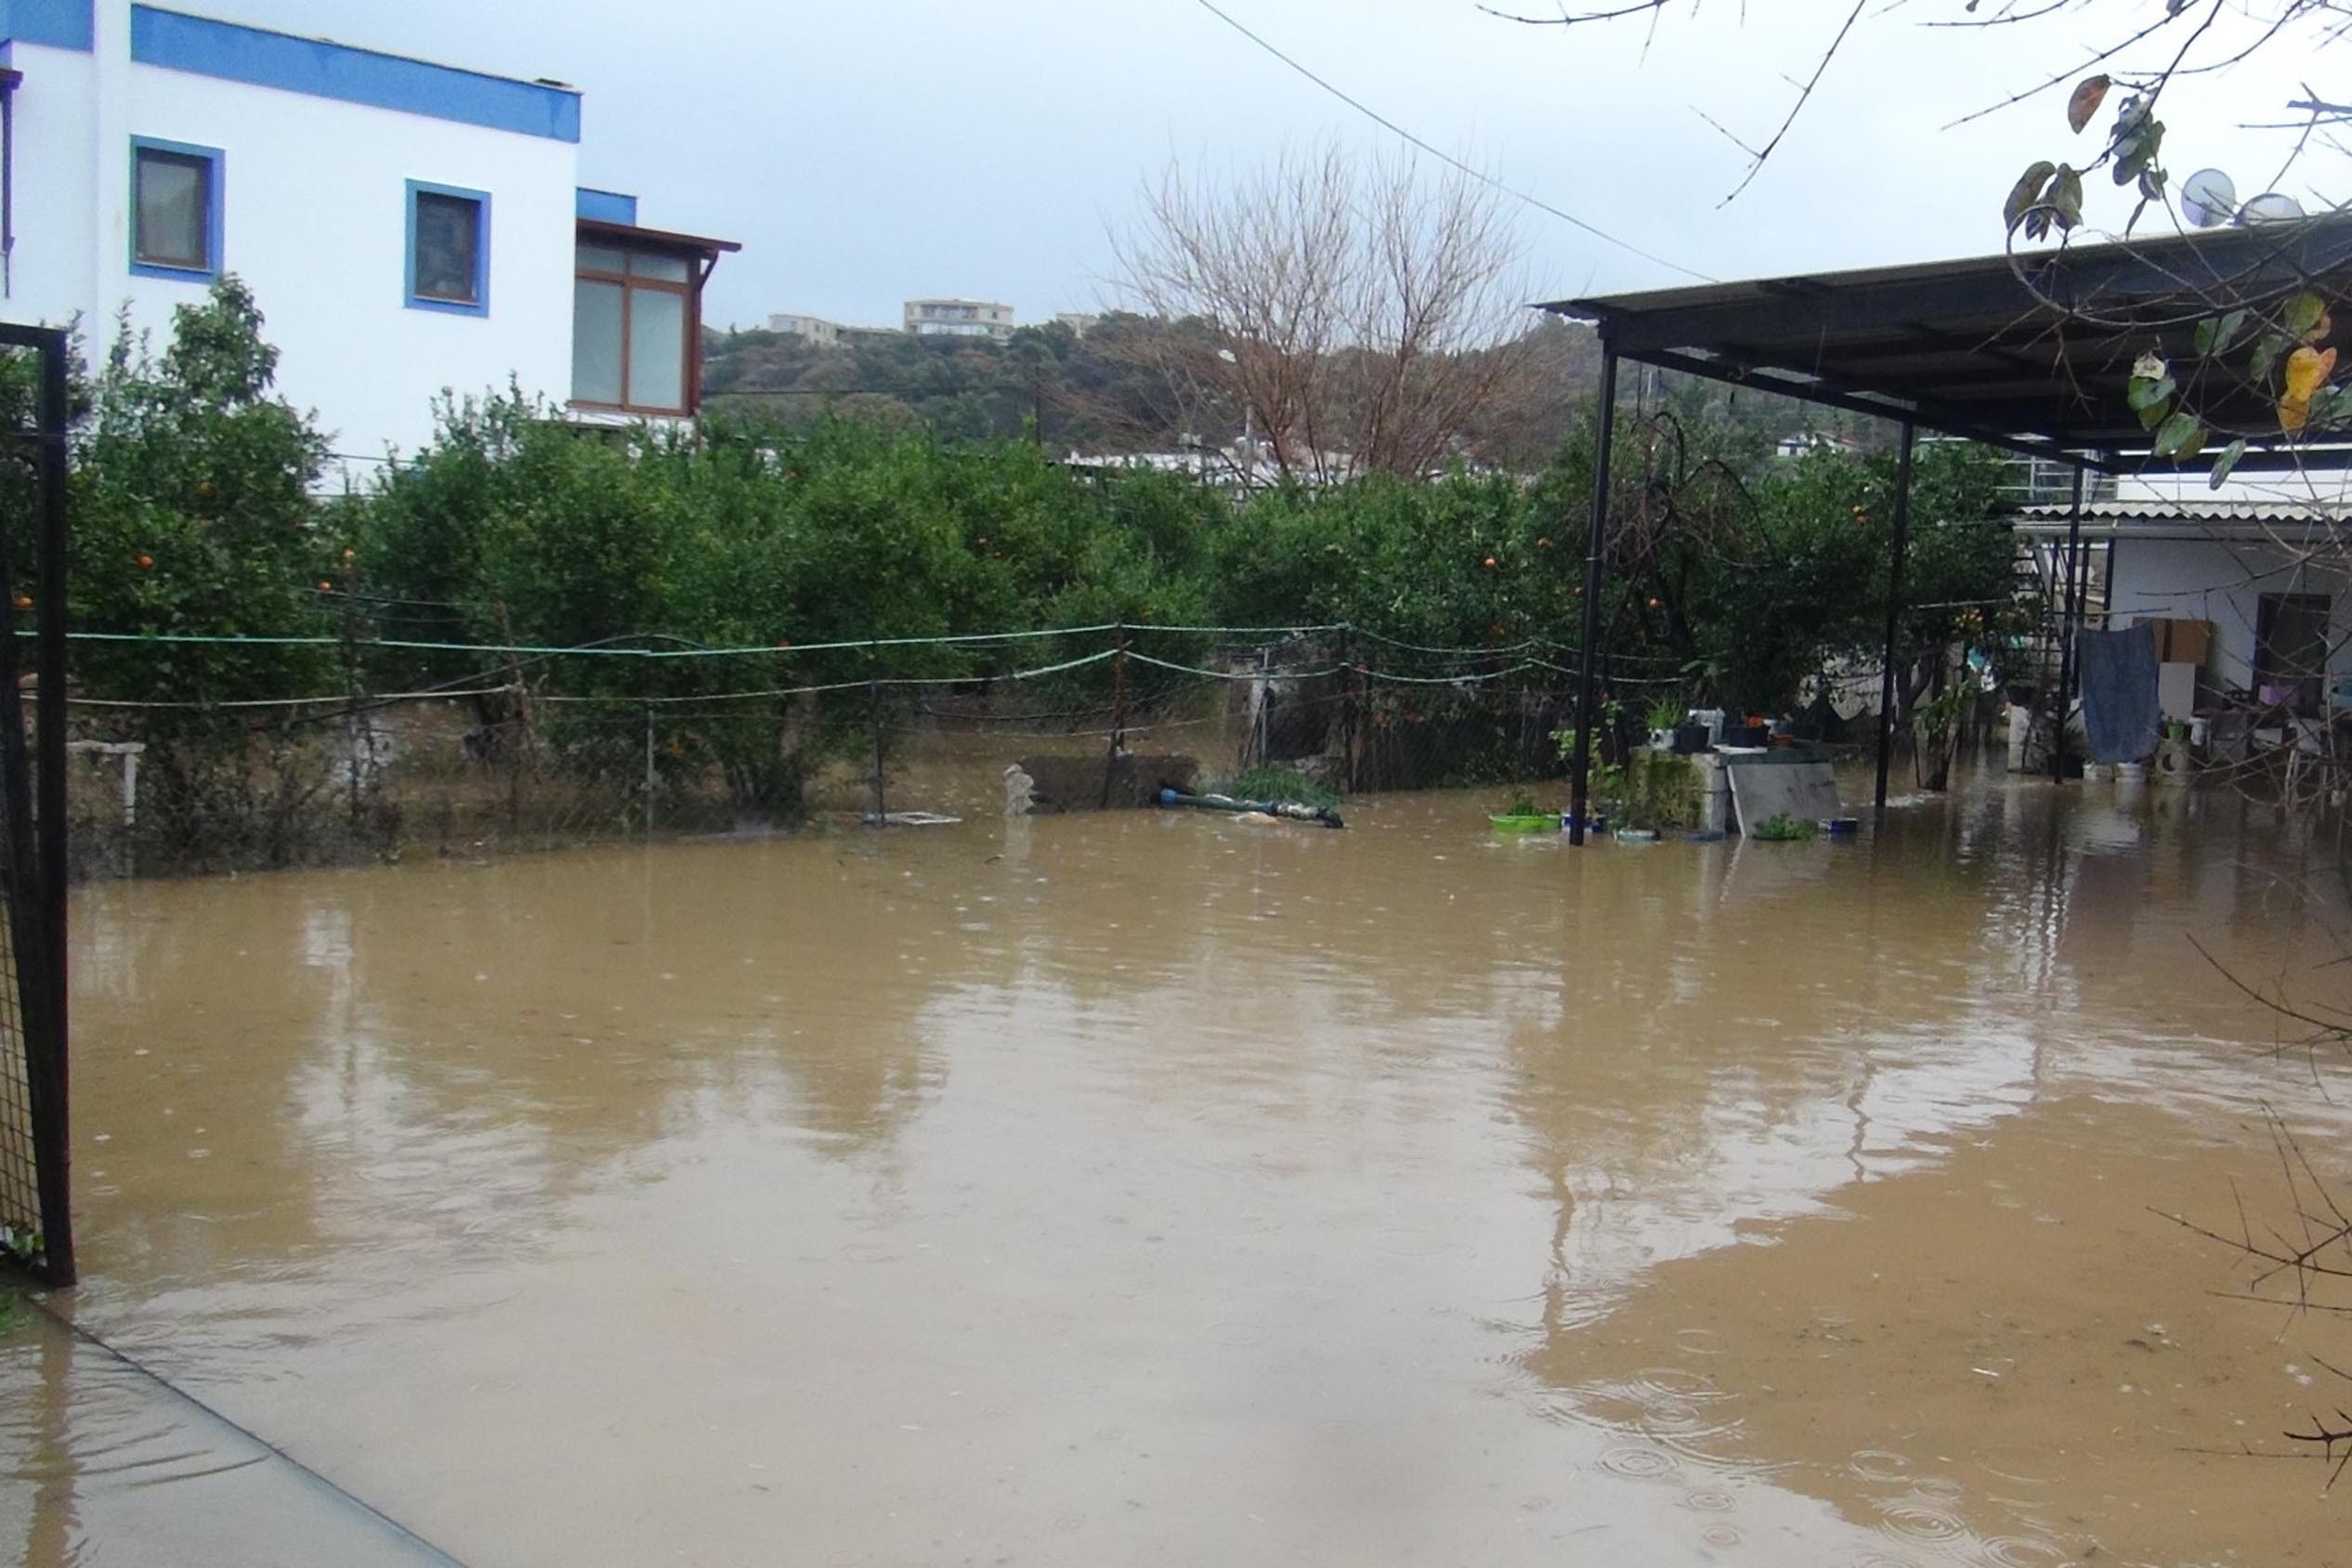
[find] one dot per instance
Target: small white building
(1803, 442)
(959, 318)
(2273, 579)
(814, 330)
(406, 228)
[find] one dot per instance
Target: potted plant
(1666, 713)
(1523, 818)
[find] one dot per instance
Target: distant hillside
(1109, 391)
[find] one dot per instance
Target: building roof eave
(636, 234)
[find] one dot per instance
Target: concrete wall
(314, 219)
(2222, 583)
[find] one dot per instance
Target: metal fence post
(1350, 711)
(1119, 713)
(874, 716)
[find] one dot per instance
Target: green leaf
(2225, 462)
(2266, 353)
(2182, 436)
(2215, 333)
(2147, 392)
(2065, 197)
(2026, 193)
(2303, 313)
(2329, 409)
(2136, 151)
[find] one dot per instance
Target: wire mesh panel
(36, 1225)
(22, 1232)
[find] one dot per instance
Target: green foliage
(1659, 791)
(1782, 828)
(191, 512)
(1277, 784)
(196, 511)
(1805, 578)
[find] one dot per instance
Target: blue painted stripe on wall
(59, 24)
(179, 42)
(605, 206)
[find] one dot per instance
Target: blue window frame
(176, 209)
(448, 249)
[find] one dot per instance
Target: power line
(1479, 175)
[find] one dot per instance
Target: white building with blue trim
(407, 227)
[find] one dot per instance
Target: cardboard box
(2179, 641)
(2188, 642)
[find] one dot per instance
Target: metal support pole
(2066, 629)
(650, 773)
(1596, 544)
(1887, 685)
(874, 717)
(1351, 714)
(1118, 715)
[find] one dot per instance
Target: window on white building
(176, 201)
(449, 249)
(633, 325)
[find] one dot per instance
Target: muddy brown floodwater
(1158, 1189)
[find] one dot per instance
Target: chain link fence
(460, 750)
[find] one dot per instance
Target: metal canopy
(2031, 351)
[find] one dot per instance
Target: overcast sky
(866, 152)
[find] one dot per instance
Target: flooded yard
(1154, 1189)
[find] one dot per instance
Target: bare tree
(1360, 313)
(2145, 50)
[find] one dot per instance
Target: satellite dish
(2270, 207)
(2208, 198)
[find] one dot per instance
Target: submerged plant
(1263, 783)
(1781, 828)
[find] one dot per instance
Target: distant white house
(1799, 443)
(405, 226)
(957, 317)
(819, 331)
